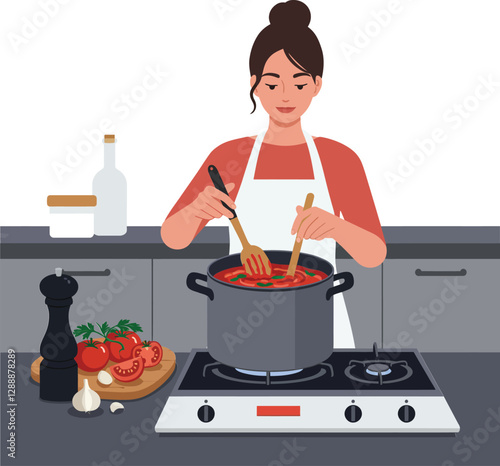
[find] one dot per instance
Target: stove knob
(353, 413)
(206, 413)
(406, 413)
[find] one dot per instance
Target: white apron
(267, 217)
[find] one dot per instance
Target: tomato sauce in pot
(278, 278)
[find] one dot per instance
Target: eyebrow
(297, 75)
(272, 74)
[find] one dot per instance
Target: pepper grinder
(58, 369)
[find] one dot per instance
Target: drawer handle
(440, 273)
(88, 273)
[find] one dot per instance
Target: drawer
(442, 304)
(124, 294)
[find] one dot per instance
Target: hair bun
(291, 14)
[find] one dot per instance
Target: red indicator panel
(278, 410)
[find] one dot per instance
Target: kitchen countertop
(137, 243)
(213, 242)
(50, 434)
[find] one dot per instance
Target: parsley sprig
(124, 325)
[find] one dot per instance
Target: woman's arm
(179, 230)
(365, 247)
(359, 232)
(200, 201)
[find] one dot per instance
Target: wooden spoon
(253, 258)
(297, 245)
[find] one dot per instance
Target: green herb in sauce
(241, 275)
(277, 277)
(264, 284)
(309, 273)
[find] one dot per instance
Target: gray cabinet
(364, 302)
(124, 294)
(179, 315)
(442, 304)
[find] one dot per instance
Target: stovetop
(345, 371)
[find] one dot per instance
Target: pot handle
(347, 285)
(194, 286)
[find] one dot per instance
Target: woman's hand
(314, 223)
(365, 247)
(208, 206)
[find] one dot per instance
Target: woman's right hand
(208, 206)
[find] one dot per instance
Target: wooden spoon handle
(298, 245)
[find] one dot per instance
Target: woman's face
(284, 90)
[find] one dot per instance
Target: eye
(300, 86)
(271, 86)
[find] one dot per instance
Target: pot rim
(267, 290)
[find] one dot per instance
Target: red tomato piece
(92, 355)
(150, 351)
(129, 340)
(128, 371)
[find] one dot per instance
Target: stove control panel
(277, 413)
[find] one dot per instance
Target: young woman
(268, 176)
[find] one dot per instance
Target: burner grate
(229, 373)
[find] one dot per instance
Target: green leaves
(309, 273)
(84, 331)
(123, 325)
(264, 284)
(241, 275)
(278, 277)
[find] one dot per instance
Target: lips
(286, 109)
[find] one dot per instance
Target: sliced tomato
(122, 344)
(92, 355)
(128, 371)
(150, 351)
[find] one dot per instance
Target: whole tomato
(121, 345)
(92, 355)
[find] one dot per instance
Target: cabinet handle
(88, 273)
(440, 273)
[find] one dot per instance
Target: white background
(63, 74)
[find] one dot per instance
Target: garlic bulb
(115, 406)
(86, 399)
(104, 378)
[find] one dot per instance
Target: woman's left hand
(314, 223)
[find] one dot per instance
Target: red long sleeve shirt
(344, 174)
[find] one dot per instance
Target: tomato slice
(150, 351)
(128, 371)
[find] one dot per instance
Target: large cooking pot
(264, 329)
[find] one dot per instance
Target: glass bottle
(110, 188)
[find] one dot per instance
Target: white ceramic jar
(71, 216)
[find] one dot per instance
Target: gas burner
(268, 378)
(263, 373)
(378, 368)
(375, 371)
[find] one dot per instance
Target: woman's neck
(284, 134)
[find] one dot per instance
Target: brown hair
(288, 31)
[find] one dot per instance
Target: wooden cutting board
(151, 379)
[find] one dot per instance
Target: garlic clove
(104, 378)
(115, 406)
(86, 400)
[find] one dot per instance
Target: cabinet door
(364, 302)
(124, 294)
(179, 314)
(441, 304)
